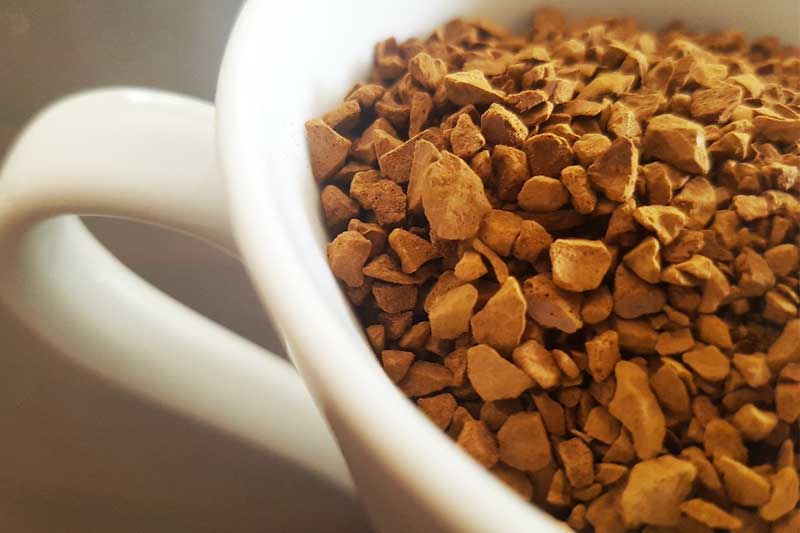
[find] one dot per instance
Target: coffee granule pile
(577, 252)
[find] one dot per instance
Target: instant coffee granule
(577, 252)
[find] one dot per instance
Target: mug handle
(150, 156)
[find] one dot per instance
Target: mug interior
(286, 66)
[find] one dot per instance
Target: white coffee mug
(243, 182)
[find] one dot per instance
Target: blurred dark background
(78, 455)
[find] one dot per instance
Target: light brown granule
(750, 207)
(743, 485)
(634, 297)
(471, 87)
(439, 408)
(698, 200)
(550, 306)
(383, 197)
(424, 378)
(499, 230)
(635, 405)
(558, 495)
(536, 361)
(785, 494)
(541, 194)
(548, 154)
(674, 342)
(708, 362)
(590, 146)
(412, 250)
(466, 138)
(328, 149)
(787, 401)
(493, 377)
(396, 363)
(753, 369)
(615, 170)
(579, 264)
(597, 305)
(495, 413)
(665, 221)
(374, 233)
(576, 181)
(510, 169)
(501, 126)
(478, 441)
(470, 267)
(601, 426)
(576, 457)
(709, 514)
(603, 354)
(499, 267)
(337, 206)
(677, 141)
(501, 322)
(531, 241)
(450, 315)
(566, 364)
(424, 154)
(753, 423)
(427, 70)
(721, 439)
(386, 269)
(713, 330)
(453, 199)
(525, 100)
(393, 298)
(347, 255)
(656, 489)
(523, 442)
(706, 474)
(671, 391)
(645, 260)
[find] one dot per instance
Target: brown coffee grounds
(577, 251)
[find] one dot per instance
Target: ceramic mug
(240, 178)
